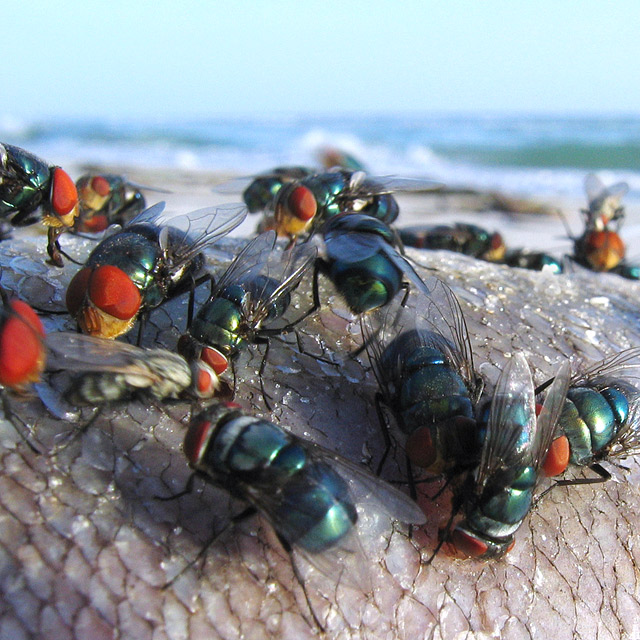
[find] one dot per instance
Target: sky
(165, 59)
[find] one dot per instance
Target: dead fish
(86, 548)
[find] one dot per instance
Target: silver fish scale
(85, 548)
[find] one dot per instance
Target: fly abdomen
(324, 513)
(99, 388)
(313, 501)
(366, 284)
(590, 420)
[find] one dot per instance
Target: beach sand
(86, 548)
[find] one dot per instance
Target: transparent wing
(281, 273)
(145, 187)
(627, 439)
(287, 270)
(509, 439)
(353, 247)
(157, 371)
(234, 185)
(369, 489)
(350, 246)
(249, 262)
(618, 190)
(593, 186)
(380, 185)
(625, 365)
(193, 232)
(149, 215)
(379, 328)
(441, 314)
(377, 504)
(78, 352)
(405, 266)
(548, 418)
(283, 174)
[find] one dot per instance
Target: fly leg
(300, 581)
(384, 428)
(602, 476)
(76, 433)
(11, 417)
(195, 283)
(142, 323)
(54, 250)
(263, 363)
(243, 515)
(443, 534)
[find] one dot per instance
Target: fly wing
(283, 174)
(79, 352)
(594, 187)
(144, 187)
(379, 328)
(362, 185)
(376, 504)
(624, 364)
(352, 246)
(405, 266)
(288, 271)
(371, 490)
(548, 418)
(249, 262)
(440, 313)
(511, 430)
(193, 232)
(618, 190)
(151, 215)
(158, 371)
(627, 439)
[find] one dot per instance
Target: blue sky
(144, 59)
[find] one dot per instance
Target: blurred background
(495, 95)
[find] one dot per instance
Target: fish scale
(86, 548)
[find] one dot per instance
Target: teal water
(517, 153)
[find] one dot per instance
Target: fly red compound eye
(496, 241)
(468, 545)
(101, 186)
(302, 203)
(214, 359)
(77, 290)
(420, 448)
(113, 291)
(21, 348)
(28, 315)
(557, 459)
(205, 383)
(196, 440)
(95, 224)
(64, 195)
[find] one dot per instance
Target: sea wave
(522, 154)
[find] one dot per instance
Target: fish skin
(85, 546)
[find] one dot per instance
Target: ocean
(527, 155)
